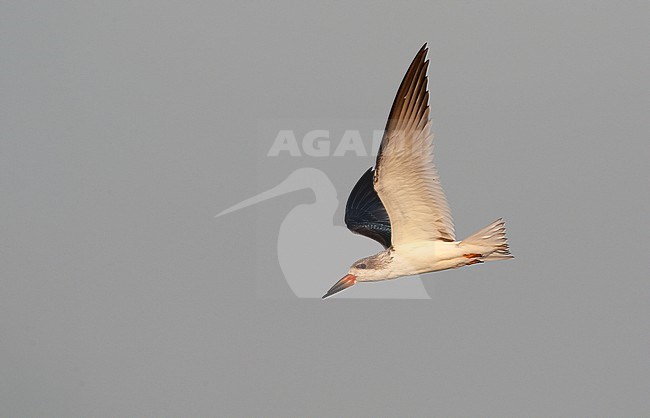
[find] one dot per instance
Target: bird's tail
(493, 239)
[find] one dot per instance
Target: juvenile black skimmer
(401, 204)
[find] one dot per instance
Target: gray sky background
(126, 126)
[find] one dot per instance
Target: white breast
(425, 256)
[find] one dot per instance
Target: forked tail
(492, 237)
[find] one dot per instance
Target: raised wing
(405, 179)
(364, 212)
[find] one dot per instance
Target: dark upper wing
(364, 212)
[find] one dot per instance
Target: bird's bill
(347, 281)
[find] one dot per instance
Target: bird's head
(367, 269)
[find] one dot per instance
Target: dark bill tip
(347, 281)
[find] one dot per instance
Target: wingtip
(423, 56)
(424, 51)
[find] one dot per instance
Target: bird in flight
(400, 203)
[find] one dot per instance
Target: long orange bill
(347, 281)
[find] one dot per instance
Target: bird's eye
(361, 266)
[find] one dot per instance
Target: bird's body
(401, 204)
(412, 258)
(419, 257)
(428, 256)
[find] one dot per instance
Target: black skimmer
(400, 203)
